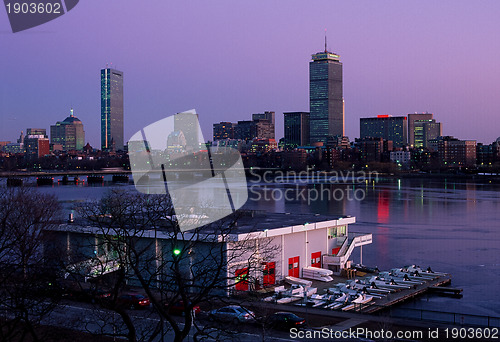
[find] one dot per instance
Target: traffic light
(176, 252)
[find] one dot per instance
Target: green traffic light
(177, 251)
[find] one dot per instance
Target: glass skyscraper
(325, 96)
(111, 109)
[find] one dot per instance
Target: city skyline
(398, 59)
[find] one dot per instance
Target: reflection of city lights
(383, 207)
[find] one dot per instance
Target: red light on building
(382, 116)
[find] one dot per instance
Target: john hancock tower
(111, 109)
(325, 96)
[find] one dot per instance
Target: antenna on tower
(325, 42)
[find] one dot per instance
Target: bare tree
(25, 281)
(138, 236)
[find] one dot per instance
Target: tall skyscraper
(325, 96)
(111, 109)
(69, 133)
(296, 129)
(394, 128)
(411, 125)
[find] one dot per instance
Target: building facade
(394, 128)
(112, 109)
(269, 116)
(223, 130)
(292, 241)
(68, 133)
(424, 131)
(254, 129)
(454, 152)
(488, 154)
(296, 129)
(326, 103)
(411, 125)
(36, 143)
(270, 127)
(402, 158)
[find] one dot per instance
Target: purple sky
(229, 59)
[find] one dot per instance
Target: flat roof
(249, 224)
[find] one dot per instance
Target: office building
(254, 129)
(453, 152)
(388, 127)
(68, 133)
(325, 96)
(411, 125)
(111, 109)
(17, 147)
(296, 129)
(223, 130)
(269, 117)
(36, 143)
(424, 131)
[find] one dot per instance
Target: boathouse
(296, 241)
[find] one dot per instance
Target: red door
(316, 259)
(269, 274)
(293, 266)
(241, 282)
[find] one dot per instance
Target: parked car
(232, 313)
(285, 321)
(179, 309)
(133, 300)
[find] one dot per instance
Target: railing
(345, 245)
(444, 317)
(348, 246)
(363, 239)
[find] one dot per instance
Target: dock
(384, 298)
(406, 294)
